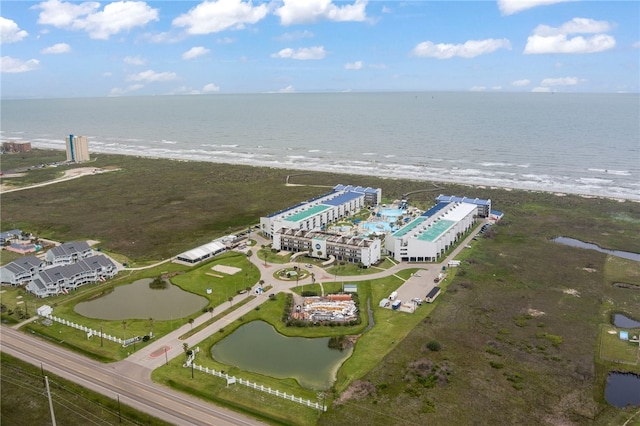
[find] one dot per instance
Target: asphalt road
(125, 380)
(130, 379)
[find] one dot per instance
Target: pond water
(581, 244)
(258, 347)
(624, 321)
(623, 389)
(137, 300)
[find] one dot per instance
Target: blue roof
(476, 201)
(8, 234)
(497, 213)
(435, 209)
(342, 198)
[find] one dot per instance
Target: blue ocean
(555, 142)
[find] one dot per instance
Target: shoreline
(558, 193)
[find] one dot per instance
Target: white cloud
(151, 76)
(478, 89)
(353, 65)
(310, 11)
(636, 45)
(208, 88)
(469, 49)
(546, 39)
(288, 89)
(561, 44)
(541, 89)
(561, 81)
(56, 49)
(114, 18)
(195, 52)
(63, 14)
(10, 32)
(296, 35)
(117, 91)
(134, 60)
(574, 26)
(215, 16)
(520, 83)
(304, 53)
(14, 65)
(224, 40)
(509, 7)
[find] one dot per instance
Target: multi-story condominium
(21, 271)
(428, 236)
(77, 149)
(13, 146)
(484, 206)
(67, 253)
(317, 213)
(324, 245)
(60, 279)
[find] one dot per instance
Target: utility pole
(53, 416)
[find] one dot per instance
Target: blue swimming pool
(391, 212)
(379, 227)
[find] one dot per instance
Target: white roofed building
(428, 236)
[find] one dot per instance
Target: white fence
(90, 332)
(262, 388)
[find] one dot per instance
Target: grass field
(517, 327)
(613, 349)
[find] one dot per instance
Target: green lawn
(613, 349)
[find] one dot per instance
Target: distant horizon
(54, 49)
(326, 92)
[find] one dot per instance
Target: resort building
(317, 213)
(208, 250)
(77, 149)
(484, 206)
(67, 253)
(324, 245)
(8, 236)
(13, 146)
(60, 279)
(427, 237)
(21, 271)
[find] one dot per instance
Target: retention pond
(258, 347)
(581, 244)
(138, 300)
(623, 389)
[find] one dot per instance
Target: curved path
(130, 378)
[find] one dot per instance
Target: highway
(128, 381)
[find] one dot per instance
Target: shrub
(434, 346)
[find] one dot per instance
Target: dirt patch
(589, 269)
(357, 390)
(229, 270)
(535, 312)
(571, 291)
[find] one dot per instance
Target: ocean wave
(612, 172)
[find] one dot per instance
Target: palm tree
(230, 299)
(185, 346)
(211, 311)
(124, 330)
(191, 322)
(151, 323)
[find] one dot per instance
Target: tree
(124, 330)
(230, 299)
(185, 346)
(211, 311)
(313, 278)
(191, 322)
(151, 323)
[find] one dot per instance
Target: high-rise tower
(77, 149)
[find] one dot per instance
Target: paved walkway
(170, 346)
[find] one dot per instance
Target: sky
(62, 49)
